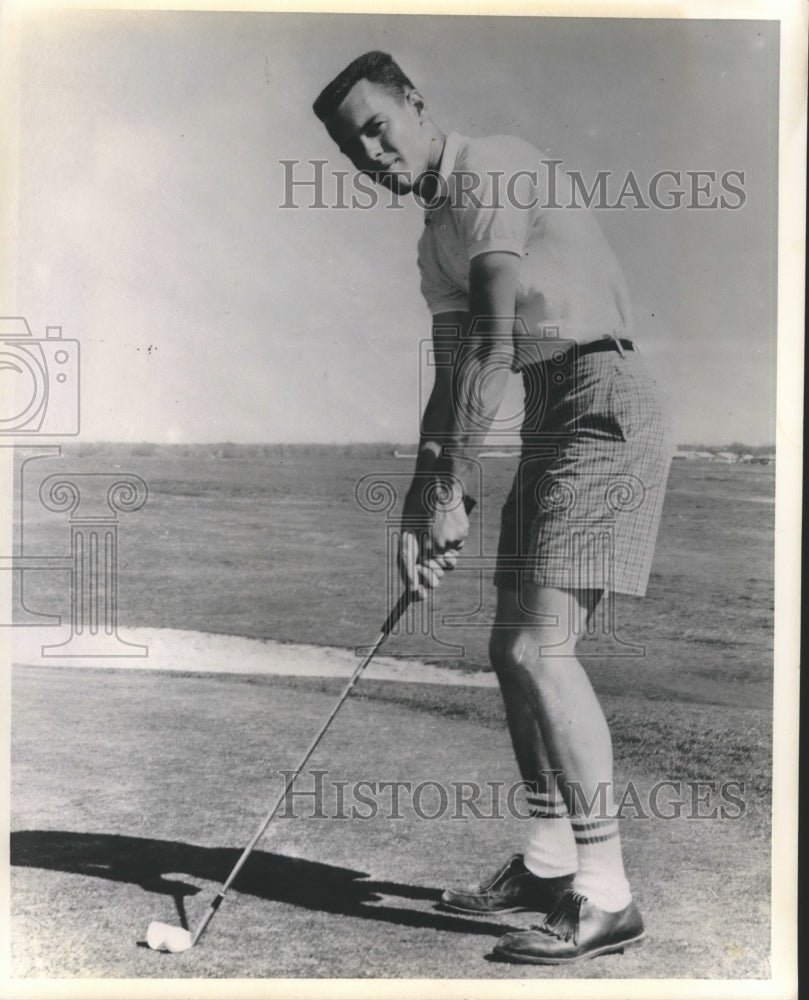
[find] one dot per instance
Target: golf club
(166, 937)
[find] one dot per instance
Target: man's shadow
(308, 884)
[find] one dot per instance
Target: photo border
(791, 257)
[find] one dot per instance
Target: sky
(150, 224)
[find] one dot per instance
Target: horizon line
(381, 442)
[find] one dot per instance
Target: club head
(165, 937)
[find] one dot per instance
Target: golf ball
(164, 937)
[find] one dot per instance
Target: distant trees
(231, 450)
(277, 451)
(737, 447)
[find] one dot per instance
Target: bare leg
(557, 724)
(523, 723)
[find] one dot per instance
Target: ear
(417, 104)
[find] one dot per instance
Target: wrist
(449, 475)
(429, 494)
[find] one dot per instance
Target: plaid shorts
(584, 509)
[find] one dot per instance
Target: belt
(594, 347)
(572, 354)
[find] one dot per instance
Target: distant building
(726, 456)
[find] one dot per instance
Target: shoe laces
(563, 921)
(500, 873)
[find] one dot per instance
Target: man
(515, 281)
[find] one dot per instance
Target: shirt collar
(452, 145)
(449, 157)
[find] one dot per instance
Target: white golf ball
(178, 939)
(155, 935)
(164, 937)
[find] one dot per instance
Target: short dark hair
(375, 67)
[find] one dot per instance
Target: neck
(426, 185)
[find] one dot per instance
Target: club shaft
(396, 613)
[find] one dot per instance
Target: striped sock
(600, 875)
(551, 849)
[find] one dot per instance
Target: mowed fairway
(133, 793)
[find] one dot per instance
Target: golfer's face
(381, 135)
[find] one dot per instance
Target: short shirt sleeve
(440, 292)
(496, 196)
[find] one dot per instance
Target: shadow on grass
(155, 865)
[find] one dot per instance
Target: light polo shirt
(491, 202)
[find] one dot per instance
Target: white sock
(600, 875)
(551, 848)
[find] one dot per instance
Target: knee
(513, 650)
(519, 652)
(506, 650)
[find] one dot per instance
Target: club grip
(404, 600)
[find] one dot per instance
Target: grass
(280, 548)
(137, 817)
(133, 793)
